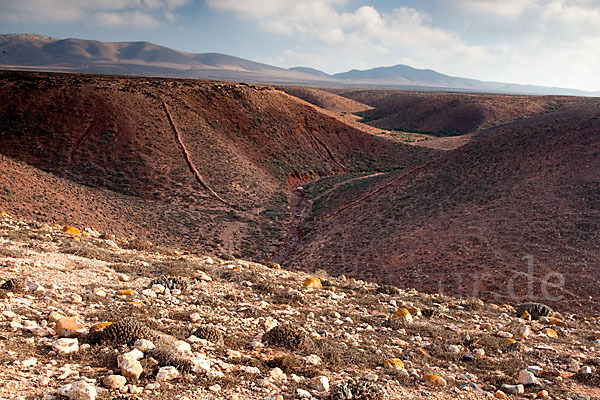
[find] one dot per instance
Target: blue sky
(544, 42)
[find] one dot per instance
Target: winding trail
(300, 211)
(188, 159)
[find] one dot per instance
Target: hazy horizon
(536, 42)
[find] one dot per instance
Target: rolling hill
(96, 141)
(514, 214)
(37, 52)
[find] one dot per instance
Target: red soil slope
(446, 113)
(470, 222)
(114, 136)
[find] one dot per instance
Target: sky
(541, 42)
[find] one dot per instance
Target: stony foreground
(90, 316)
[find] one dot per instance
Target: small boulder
(114, 381)
(80, 390)
(434, 380)
(166, 374)
(69, 327)
(66, 346)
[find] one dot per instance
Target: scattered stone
(80, 390)
(321, 383)
(144, 345)
(434, 380)
(512, 389)
(166, 374)
(527, 378)
(403, 315)
(69, 327)
(131, 369)
(66, 346)
(551, 333)
(453, 349)
(114, 381)
(393, 363)
(312, 282)
(277, 374)
(9, 314)
(523, 331)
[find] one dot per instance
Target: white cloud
(136, 13)
(549, 42)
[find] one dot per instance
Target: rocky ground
(85, 315)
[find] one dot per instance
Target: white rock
(34, 287)
(158, 288)
(303, 393)
(144, 345)
(100, 292)
(149, 293)
(214, 374)
(479, 352)
(527, 378)
(313, 359)
(453, 348)
(66, 345)
(135, 389)
(321, 383)
(181, 347)
(209, 261)
(277, 374)
(200, 364)
(250, 370)
(9, 314)
(166, 374)
(270, 323)
(215, 388)
(133, 355)
(512, 389)
(80, 390)
(131, 369)
(535, 369)
(195, 317)
(29, 362)
(152, 386)
(585, 370)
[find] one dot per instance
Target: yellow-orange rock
(414, 311)
(403, 314)
(435, 380)
(312, 282)
(550, 332)
(100, 326)
(393, 363)
(556, 321)
(128, 292)
(526, 316)
(71, 230)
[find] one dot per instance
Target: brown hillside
(245, 142)
(446, 113)
(467, 223)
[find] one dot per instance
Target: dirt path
(189, 161)
(301, 209)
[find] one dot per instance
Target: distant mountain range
(37, 52)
